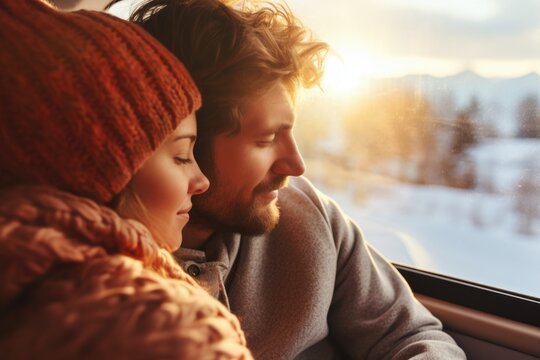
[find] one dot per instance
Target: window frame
(507, 304)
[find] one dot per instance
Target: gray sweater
(314, 289)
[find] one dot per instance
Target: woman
(97, 126)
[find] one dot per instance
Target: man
(282, 256)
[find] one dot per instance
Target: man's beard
(220, 210)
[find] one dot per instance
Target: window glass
(427, 131)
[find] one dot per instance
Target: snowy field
(465, 234)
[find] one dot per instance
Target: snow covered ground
(465, 234)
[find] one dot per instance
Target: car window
(426, 130)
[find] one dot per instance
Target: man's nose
(290, 162)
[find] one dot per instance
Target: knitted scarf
(79, 281)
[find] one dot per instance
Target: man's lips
(272, 186)
(271, 190)
(268, 196)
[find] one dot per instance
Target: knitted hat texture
(85, 98)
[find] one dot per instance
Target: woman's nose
(199, 182)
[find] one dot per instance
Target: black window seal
(507, 304)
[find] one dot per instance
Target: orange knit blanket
(78, 281)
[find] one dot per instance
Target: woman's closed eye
(182, 160)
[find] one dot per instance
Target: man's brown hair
(233, 52)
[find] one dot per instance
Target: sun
(350, 73)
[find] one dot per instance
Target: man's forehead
(274, 108)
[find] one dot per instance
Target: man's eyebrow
(275, 129)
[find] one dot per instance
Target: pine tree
(465, 133)
(527, 198)
(460, 171)
(528, 116)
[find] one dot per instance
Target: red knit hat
(85, 98)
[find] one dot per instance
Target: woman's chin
(173, 245)
(172, 242)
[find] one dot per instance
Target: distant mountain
(498, 97)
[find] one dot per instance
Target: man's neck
(195, 235)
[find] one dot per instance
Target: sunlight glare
(347, 74)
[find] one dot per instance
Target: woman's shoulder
(78, 279)
(114, 307)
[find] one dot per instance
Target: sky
(373, 38)
(391, 38)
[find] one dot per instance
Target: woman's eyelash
(182, 161)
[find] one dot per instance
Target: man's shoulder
(300, 192)
(300, 185)
(302, 199)
(305, 230)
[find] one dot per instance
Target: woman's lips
(184, 214)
